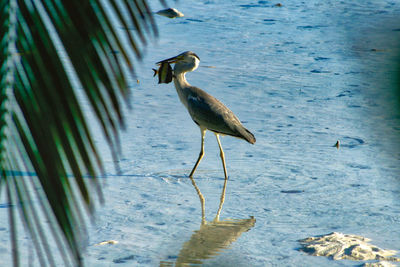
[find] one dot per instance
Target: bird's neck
(180, 79)
(181, 86)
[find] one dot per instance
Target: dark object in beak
(164, 72)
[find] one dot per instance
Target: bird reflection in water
(212, 237)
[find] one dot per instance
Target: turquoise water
(300, 77)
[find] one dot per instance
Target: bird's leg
(203, 133)
(222, 156)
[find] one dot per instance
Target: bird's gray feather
(209, 112)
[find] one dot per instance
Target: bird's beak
(171, 60)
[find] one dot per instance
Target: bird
(205, 110)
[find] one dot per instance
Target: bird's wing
(209, 112)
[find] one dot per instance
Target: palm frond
(48, 50)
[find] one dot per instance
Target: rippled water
(300, 77)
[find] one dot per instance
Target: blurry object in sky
(170, 13)
(164, 72)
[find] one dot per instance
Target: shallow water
(300, 77)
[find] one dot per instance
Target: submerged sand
(350, 247)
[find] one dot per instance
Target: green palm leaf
(49, 49)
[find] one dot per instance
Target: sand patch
(350, 247)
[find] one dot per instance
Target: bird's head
(184, 62)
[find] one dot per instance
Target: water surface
(300, 77)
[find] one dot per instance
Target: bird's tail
(247, 135)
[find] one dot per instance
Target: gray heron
(206, 111)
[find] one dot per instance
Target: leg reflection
(222, 200)
(202, 201)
